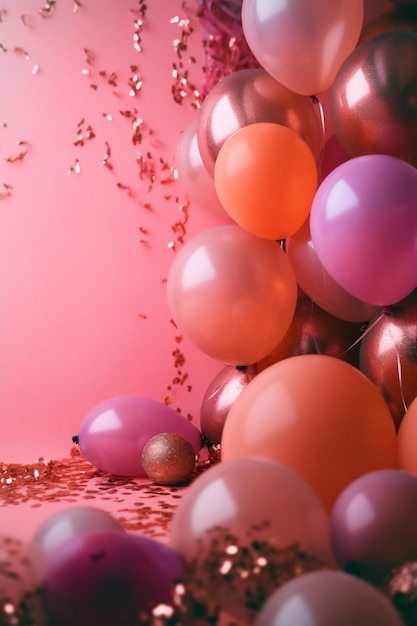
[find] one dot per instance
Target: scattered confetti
(48, 8)
(7, 191)
(76, 169)
(106, 157)
(21, 155)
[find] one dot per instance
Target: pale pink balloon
(193, 175)
(70, 522)
(232, 294)
(317, 283)
(302, 43)
(251, 499)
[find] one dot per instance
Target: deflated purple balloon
(107, 578)
(374, 524)
(113, 434)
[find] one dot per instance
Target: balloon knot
(388, 310)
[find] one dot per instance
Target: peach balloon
(302, 43)
(266, 178)
(317, 283)
(407, 440)
(318, 415)
(249, 97)
(232, 294)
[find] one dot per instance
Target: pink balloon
(317, 283)
(232, 294)
(113, 434)
(193, 175)
(328, 598)
(250, 499)
(302, 43)
(364, 228)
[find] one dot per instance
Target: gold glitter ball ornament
(168, 459)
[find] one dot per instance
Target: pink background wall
(76, 280)
(83, 310)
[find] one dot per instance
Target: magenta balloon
(374, 524)
(72, 521)
(232, 294)
(364, 228)
(327, 598)
(302, 43)
(193, 175)
(106, 578)
(113, 434)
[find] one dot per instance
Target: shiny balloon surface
(388, 354)
(249, 97)
(373, 104)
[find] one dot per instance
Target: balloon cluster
(308, 297)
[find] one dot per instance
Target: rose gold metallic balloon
(314, 331)
(248, 97)
(404, 18)
(219, 397)
(373, 100)
(388, 355)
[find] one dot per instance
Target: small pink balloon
(232, 294)
(327, 598)
(193, 175)
(107, 578)
(302, 57)
(66, 524)
(113, 434)
(364, 229)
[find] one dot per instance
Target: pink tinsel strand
(226, 48)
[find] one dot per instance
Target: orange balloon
(266, 178)
(407, 440)
(317, 415)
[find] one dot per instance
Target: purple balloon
(363, 226)
(113, 434)
(374, 524)
(106, 578)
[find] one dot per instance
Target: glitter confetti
(76, 169)
(106, 157)
(48, 8)
(182, 86)
(22, 153)
(7, 191)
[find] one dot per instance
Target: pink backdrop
(83, 314)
